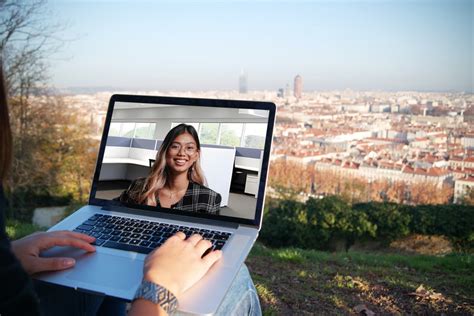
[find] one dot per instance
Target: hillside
(298, 282)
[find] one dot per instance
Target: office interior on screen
(232, 142)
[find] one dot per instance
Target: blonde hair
(159, 174)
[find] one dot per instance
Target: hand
(27, 250)
(177, 264)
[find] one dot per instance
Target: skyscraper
(243, 82)
(298, 87)
(287, 90)
(281, 93)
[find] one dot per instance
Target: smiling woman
(176, 180)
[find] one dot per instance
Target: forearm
(145, 307)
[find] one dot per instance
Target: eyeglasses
(189, 149)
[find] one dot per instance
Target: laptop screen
(197, 157)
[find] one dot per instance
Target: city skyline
(182, 45)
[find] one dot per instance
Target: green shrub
(23, 201)
(332, 219)
(285, 224)
(16, 229)
(391, 220)
(314, 225)
(453, 221)
(318, 224)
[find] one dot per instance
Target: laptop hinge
(176, 217)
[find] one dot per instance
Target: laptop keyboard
(140, 235)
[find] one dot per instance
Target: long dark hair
(159, 173)
(5, 131)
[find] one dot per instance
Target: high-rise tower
(243, 82)
(298, 87)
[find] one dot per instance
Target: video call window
(218, 149)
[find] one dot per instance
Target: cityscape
(369, 197)
(387, 141)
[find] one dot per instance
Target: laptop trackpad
(107, 270)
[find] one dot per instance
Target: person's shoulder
(202, 189)
(137, 183)
(134, 190)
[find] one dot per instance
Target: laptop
(235, 139)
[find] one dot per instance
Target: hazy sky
(203, 45)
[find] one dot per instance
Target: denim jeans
(241, 299)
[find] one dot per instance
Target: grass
(295, 281)
(16, 229)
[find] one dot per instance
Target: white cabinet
(251, 184)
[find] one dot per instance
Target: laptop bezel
(242, 104)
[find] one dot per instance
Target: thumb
(53, 264)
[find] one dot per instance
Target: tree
(468, 197)
(28, 38)
(430, 193)
(292, 176)
(397, 192)
(327, 182)
(58, 156)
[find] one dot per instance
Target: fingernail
(69, 262)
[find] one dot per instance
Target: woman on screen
(176, 179)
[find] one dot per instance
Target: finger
(67, 241)
(212, 257)
(180, 235)
(80, 236)
(52, 264)
(203, 245)
(67, 233)
(194, 239)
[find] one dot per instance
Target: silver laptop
(235, 139)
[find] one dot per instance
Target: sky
(204, 45)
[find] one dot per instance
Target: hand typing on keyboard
(141, 235)
(177, 265)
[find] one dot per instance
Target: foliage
(16, 229)
(317, 224)
(285, 174)
(429, 193)
(468, 197)
(332, 219)
(53, 157)
(306, 179)
(391, 220)
(53, 153)
(453, 221)
(283, 227)
(27, 200)
(28, 38)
